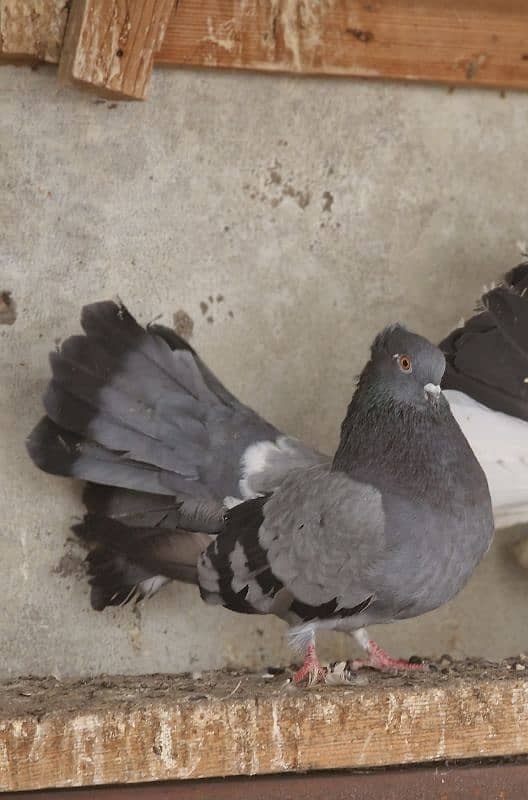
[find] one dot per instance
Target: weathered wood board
(133, 729)
(483, 42)
(478, 43)
(32, 29)
(109, 44)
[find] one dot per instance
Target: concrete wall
(318, 210)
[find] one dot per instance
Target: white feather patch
(256, 459)
(231, 502)
(301, 636)
(500, 443)
(362, 638)
(253, 461)
(150, 586)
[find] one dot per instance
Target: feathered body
(486, 384)
(390, 528)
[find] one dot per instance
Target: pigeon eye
(405, 363)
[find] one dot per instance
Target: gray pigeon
(186, 483)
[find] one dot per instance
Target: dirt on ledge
(30, 696)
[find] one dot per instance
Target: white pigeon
(486, 385)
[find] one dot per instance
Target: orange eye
(405, 363)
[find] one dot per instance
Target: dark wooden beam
(483, 781)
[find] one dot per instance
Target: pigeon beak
(432, 390)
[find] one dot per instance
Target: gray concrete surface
(319, 210)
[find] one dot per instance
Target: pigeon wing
(305, 552)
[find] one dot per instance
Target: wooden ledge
(133, 729)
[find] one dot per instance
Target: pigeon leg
(377, 658)
(311, 671)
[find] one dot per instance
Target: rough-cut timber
(482, 43)
(109, 44)
(127, 730)
(451, 41)
(32, 29)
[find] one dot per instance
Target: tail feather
(117, 330)
(128, 563)
(108, 419)
(143, 510)
(52, 448)
(98, 320)
(85, 363)
(61, 452)
(160, 441)
(115, 412)
(175, 342)
(137, 409)
(115, 580)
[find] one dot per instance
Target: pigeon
(486, 385)
(186, 483)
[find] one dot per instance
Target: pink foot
(379, 659)
(311, 671)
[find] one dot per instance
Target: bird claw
(380, 660)
(311, 673)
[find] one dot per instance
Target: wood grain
(128, 730)
(32, 29)
(479, 43)
(109, 44)
(449, 41)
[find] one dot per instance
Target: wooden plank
(32, 29)
(482, 42)
(109, 44)
(134, 729)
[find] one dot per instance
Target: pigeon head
(405, 367)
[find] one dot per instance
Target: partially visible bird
(486, 384)
(186, 483)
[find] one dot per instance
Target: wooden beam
(455, 781)
(133, 729)
(32, 30)
(450, 41)
(482, 43)
(109, 44)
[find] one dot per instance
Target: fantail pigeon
(186, 483)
